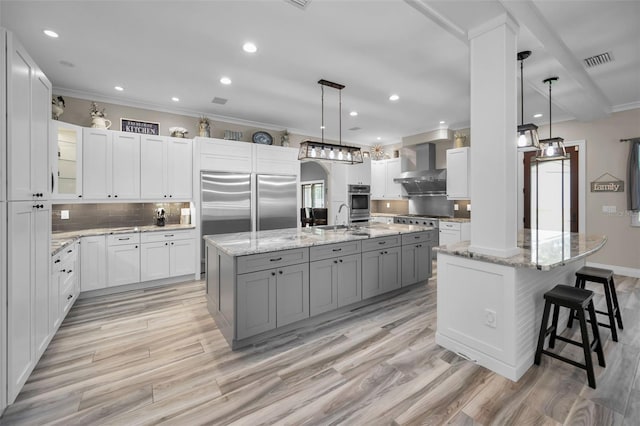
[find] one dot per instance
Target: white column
(493, 177)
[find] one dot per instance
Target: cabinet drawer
(120, 239)
(161, 236)
(69, 254)
(418, 237)
(334, 250)
(259, 262)
(450, 225)
(382, 242)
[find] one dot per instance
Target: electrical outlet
(64, 214)
(469, 207)
(388, 205)
(456, 207)
(490, 318)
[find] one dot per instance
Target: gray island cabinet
(261, 284)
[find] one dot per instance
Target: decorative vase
(100, 123)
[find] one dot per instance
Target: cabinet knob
(64, 270)
(171, 243)
(56, 261)
(166, 244)
(165, 196)
(340, 260)
(419, 245)
(273, 274)
(116, 196)
(136, 247)
(170, 196)
(80, 196)
(109, 196)
(335, 261)
(69, 297)
(69, 271)
(280, 272)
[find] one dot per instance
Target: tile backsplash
(395, 207)
(107, 215)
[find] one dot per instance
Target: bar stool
(577, 299)
(604, 277)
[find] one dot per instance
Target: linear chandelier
(321, 150)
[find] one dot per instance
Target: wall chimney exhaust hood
(420, 178)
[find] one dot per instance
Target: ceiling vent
(219, 101)
(355, 128)
(302, 4)
(600, 59)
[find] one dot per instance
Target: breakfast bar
(490, 308)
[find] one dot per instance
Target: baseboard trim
(618, 270)
(135, 286)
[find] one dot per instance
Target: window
(313, 194)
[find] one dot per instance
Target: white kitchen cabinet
(68, 285)
(276, 160)
(3, 284)
(123, 259)
(93, 265)
(224, 156)
(458, 163)
(382, 174)
(111, 165)
(381, 268)
(167, 254)
(66, 160)
(338, 187)
(454, 232)
(359, 174)
(166, 168)
(382, 219)
(28, 292)
(28, 96)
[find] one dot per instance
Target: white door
(393, 190)
(126, 165)
(123, 264)
(458, 173)
(153, 160)
(96, 164)
(378, 179)
(93, 263)
(154, 261)
(179, 169)
(449, 236)
(20, 296)
(183, 255)
(41, 274)
(40, 116)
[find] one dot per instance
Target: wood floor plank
(156, 355)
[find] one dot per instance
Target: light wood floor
(155, 356)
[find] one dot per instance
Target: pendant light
(314, 150)
(527, 133)
(552, 148)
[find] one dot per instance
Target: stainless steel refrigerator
(243, 202)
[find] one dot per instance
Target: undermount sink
(344, 229)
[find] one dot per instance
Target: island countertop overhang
(248, 243)
(542, 250)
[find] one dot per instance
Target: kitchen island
(262, 284)
(490, 308)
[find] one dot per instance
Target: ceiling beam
(527, 14)
(443, 22)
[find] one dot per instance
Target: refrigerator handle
(254, 183)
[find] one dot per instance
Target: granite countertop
(246, 243)
(544, 251)
(456, 219)
(59, 240)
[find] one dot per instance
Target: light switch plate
(64, 214)
(468, 207)
(456, 207)
(609, 209)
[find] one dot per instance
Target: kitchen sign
(616, 185)
(136, 126)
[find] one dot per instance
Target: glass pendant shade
(551, 149)
(528, 136)
(327, 151)
(314, 150)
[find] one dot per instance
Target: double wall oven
(359, 197)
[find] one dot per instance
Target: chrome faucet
(349, 216)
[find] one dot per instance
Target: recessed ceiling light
(175, 99)
(379, 138)
(394, 97)
(353, 113)
(538, 115)
(51, 34)
(249, 47)
(225, 80)
(442, 121)
(119, 88)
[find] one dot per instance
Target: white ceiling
(415, 48)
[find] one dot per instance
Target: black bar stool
(577, 299)
(604, 277)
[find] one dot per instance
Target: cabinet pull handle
(382, 242)
(69, 271)
(123, 239)
(419, 245)
(69, 251)
(69, 297)
(64, 270)
(116, 196)
(80, 196)
(381, 252)
(169, 235)
(338, 249)
(56, 261)
(417, 237)
(276, 259)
